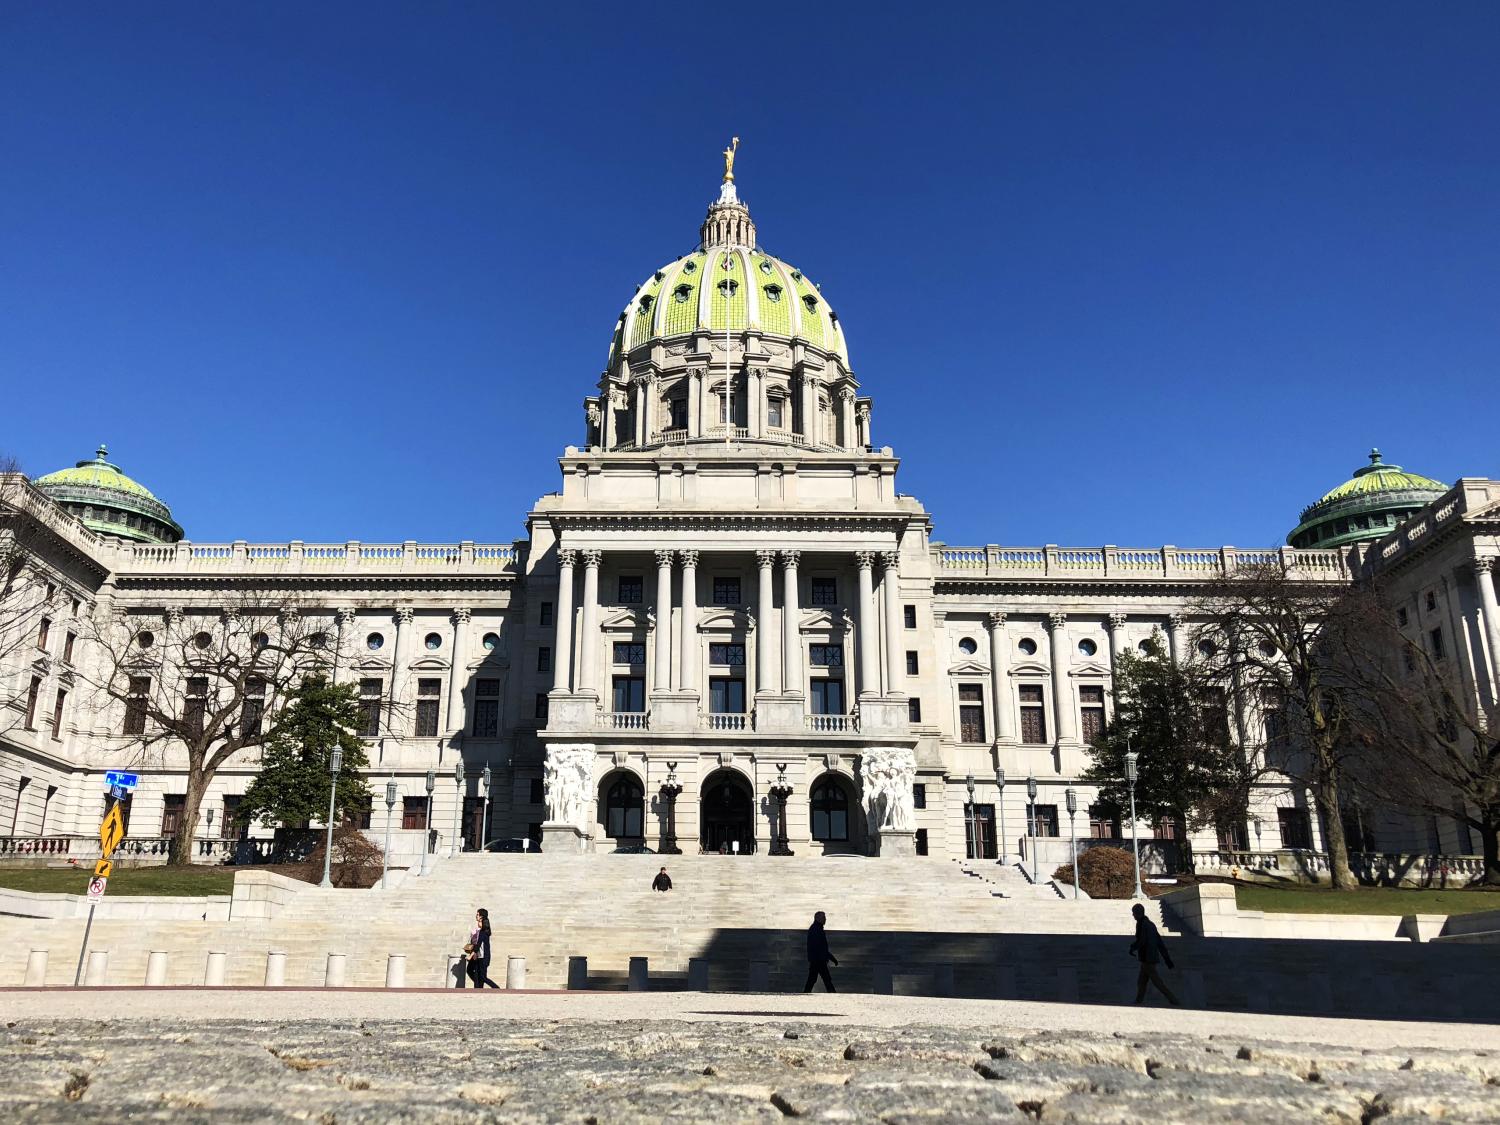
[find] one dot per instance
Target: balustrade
(726, 721)
(833, 724)
(1195, 563)
(625, 720)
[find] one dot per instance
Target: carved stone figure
(568, 776)
(887, 775)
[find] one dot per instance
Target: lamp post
(461, 779)
(781, 789)
(390, 815)
(488, 778)
(1031, 820)
(431, 784)
(333, 791)
(1072, 798)
(1131, 757)
(670, 790)
(1004, 849)
(969, 819)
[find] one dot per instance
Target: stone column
(869, 676)
(809, 389)
(895, 651)
(791, 626)
(588, 633)
(343, 619)
(1174, 629)
(399, 662)
(1115, 623)
(1062, 690)
(1486, 575)
(562, 647)
(1000, 679)
(661, 680)
(695, 402)
(765, 655)
(687, 663)
(639, 389)
(458, 670)
(755, 407)
(847, 437)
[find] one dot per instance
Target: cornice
(661, 521)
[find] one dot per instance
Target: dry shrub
(356, 859)
(1103, 872)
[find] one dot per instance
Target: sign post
(111, 832)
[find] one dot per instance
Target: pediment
(1089, 668)
(1030, 668)
(969, 668)
(726, 620)
(429, 664)
(825, 621)
(371, 664)
(625, 620)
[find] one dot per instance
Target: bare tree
(1427, 744)
(197, 689)
(1273, 636)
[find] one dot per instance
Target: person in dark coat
(662, 882)
(1149, 948)
(478, 950)
(818, 957)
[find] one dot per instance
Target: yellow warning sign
(112, 831)
(103, 869)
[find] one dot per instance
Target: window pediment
(624, 621)
(969, 668)
(1030, 668)
(1089, 669)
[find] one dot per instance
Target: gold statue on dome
(729, 160)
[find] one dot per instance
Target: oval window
(1145, 648)
(1027, 646)
(765, 267)
(1207, 648)
(682, 293)
(202, 641)
(967, 646)
(1267, 648)
(689, 267)
(260, 640)
(773, 293)
(319, 640)
(146, 639)
(374, 641)
(433, 642)
(491, 642)
(1087, 647)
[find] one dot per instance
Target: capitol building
(729, 628)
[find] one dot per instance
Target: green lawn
(1366, 900)
(125, 881)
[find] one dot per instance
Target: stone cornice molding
(584, 522)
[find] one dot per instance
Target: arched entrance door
(622, 808)
(726, 814)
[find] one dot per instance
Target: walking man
(662, 882)
(818, 957)
(1149, 948)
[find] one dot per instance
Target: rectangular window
(544, 658)
(135, 704)
(630, 694)
(776, 413)
(726, 591)
(486, 708)
(914, 710)
(726, 655)
(413, 812)
(921, 841)
(1233, 837)
(171, 813)
(827, 697)
(1401, 618)
(43, 631)
(253, 708)
(31, 696)
(970, 713)
(359, 815)
(629, 652)
(537, 795)
(195, 706)
(1436, 636)
(1167, 828)
(1046, 820)
(1431, 601)
(631, 589)
(823, 591)
(229, 826)
(1104, 822)
(429, 695)
(726, 695)
(1296, 830)
(540, 711)
(57, 713)
(370, 692)
(911, 662)
(1033, 715)
(825, 656)
(68, 643)
(544, 614)
(909, 616)
(919, 796)
(1091, 712)
(677, 410)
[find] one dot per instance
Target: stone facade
(727, 594)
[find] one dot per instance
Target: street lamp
(969, 819)
(1131, 757)
(670, 790)
(484, 824)
(390, 815)
(461, 778)
(1031, 820)
(333, 791)
(431, 784)
(780, 790)
(1004, 848)
(1072, 799)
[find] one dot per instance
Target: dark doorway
(474, 824)
(982, 832)
(726, 815)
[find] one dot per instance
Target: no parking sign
(96, 889)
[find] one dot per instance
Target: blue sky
(1113, 273)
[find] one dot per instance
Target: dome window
(726, 263)
(682, 293)
(773, 293)
(646, 303)
(433, 642)
(796, 275)
(657, 276)
(1027, 646)
(728, 288)
(690, 267)
(765, 267)
(810, 301)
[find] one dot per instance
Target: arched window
(830, 811)
(623, 808)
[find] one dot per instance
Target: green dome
(109, 502)
(1366, 506)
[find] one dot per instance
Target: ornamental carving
(592, 559)
(886, 775)
(664, 560)
(404, 615)
(1056, 620)
(566, 559)
(997, 619)
(1115, 621)
(765, 559)
(461, 615)
(568, 776)
(889, 561)
(789, 559)
(865, 560)
(689, 558)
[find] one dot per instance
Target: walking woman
(479, 957)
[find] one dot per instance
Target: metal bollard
(578, 974)
(884, 979)
(333, 974)
(36, 969)
(395, 970)
(942, 980)
(213, 970)
(98, 967)
(156, 969)
(1067, 984)
(640, 975)
(697, 974)
(515, 972)
(760, 977)
(275, 969)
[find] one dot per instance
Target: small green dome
(109, 502)
(1365, 507)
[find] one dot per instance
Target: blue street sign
(122, 780)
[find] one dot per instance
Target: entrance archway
(836, 823)
(622, 807)
(726, 813)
